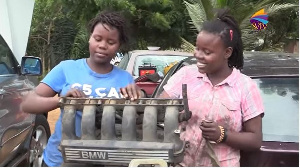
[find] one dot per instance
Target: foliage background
(59, 27)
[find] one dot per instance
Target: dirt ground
(52, 118)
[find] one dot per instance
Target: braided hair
(228, 29)
(113, 19)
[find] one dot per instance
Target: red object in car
(146, 71)
(142, 64)
(148, 87)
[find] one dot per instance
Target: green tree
(283, 28)
(151, 22)
(242, 10)
(59, 27)
(52, 33)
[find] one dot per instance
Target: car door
(15, 125)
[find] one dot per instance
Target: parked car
(277, 77)
(23, 136)
(149, 66)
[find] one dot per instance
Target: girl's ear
(228, 52)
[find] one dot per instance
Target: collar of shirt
(230, 80)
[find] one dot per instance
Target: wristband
(222, 135)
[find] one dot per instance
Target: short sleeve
(124, 76)
(56, 78)
(174, 85)
(130, 78)
(252, 103)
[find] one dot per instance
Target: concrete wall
(15, 22)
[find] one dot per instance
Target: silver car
(23, 136)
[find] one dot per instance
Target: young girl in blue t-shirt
(91, 77)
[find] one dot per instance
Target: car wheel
(39, 138)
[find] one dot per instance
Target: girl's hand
(75, 93)
(210, 130)
(132, 92)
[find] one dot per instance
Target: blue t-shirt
(77, 74)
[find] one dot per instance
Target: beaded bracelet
(223, 135)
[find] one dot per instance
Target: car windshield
(281, 103)
(160, 61)
(6, 65)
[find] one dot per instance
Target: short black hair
(113, 19)
(227, 27)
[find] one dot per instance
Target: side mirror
(31, 66)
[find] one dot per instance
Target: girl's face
(103, 43)
(212, 56)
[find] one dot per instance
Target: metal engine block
(141, 129)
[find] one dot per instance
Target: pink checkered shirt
(230, 103)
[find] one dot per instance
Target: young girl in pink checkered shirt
(226, 105)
